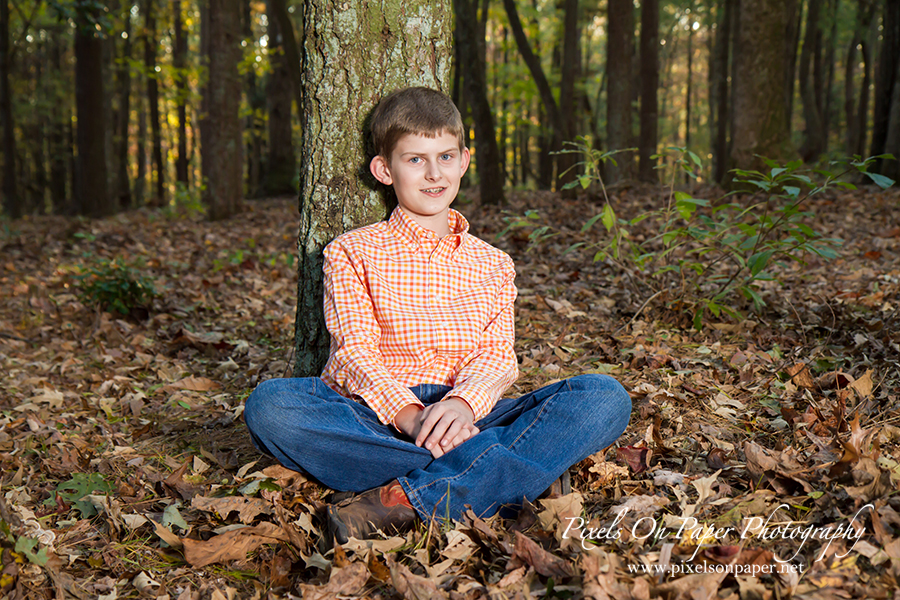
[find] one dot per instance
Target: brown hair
(415, 110)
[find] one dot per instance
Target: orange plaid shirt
(405, 307)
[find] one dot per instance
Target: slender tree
(814, 136)
(150, 45)
(722, 50)
(281, 168)
(179, 61)
(886, 80)
(649, 87)
(347, 67)
(11, 202)
(487, 153)
(92, 197)
(222, 148)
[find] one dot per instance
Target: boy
(408, 409)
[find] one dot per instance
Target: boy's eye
(415, 160)
(446, 157)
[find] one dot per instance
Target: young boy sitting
(408, 409)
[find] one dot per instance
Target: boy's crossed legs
(524, 444)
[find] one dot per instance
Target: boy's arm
(350, 318)
(489, 370)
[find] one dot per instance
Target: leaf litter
(127, 471)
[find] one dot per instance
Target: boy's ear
(466, 157)
(381, 170)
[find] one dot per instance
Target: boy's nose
(432, 173)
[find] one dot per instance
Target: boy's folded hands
(439, 427)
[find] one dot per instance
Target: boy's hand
(439, 427)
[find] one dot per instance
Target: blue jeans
(524, 444)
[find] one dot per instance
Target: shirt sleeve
(350, 318)
(491, 368)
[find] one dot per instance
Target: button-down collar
(407, 230)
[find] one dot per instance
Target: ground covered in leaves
(760, 462)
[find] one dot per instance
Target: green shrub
(703, 255)
(112, 285)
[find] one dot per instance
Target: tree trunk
(723, 44)
(281, 170)
(649, 87)
(487, 154)
(571, 61)
(891, 168)
(537, 71)
(759, 110)
(59, 115)
(828, 114)
(179, 61)
(688, 87)
(92, 188)
(278, 8)
(619, 44)
(204, 121)
(150, 45)
(793, 23)
(347, 67)
(886, 80)
(122, 187)
(256, 100)
(222, 148)
(814, 140)
(11, 202)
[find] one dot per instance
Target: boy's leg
(309, 427)
(523, 446)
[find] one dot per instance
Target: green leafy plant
(114, 285)
(75, 490)
(703, 255)
(24, 545)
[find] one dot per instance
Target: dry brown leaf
(247, 508)
(863, 385)
(232, 545)
(527, 551)
(344, 581)
(192, 383)
(412, 586)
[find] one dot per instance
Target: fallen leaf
(344, 581)
(527, 551)
(233, 545)
(412, 586)
(247, 508)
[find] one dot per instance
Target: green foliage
(77, 488)
(24, 545)
(114, 285)
(704, 255)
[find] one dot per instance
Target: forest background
(148, 281)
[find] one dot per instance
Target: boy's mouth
(436, 190)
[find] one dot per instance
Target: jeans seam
(458, 475)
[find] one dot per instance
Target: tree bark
(793, 23)
(723, 44)
(179, 61)
(688, 88)
(760, 113)
(281, 168)
(487, 153)
(649, 87)
(11, 202)
(224, 188)
(58, 149)
(256, 99)
(122, 185)
(886, 79)
(891, 168)
(150, 45)
(814, 140)
(92, 196)
(619, 45)
(571, 61)
(348, 65)
(537, 71)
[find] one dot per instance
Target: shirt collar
(407, 230)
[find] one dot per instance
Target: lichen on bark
(353, 53)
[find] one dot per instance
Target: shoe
(561, 487)
(385, 508)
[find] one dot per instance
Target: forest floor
(761, 460)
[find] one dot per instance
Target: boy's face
(425, 173)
